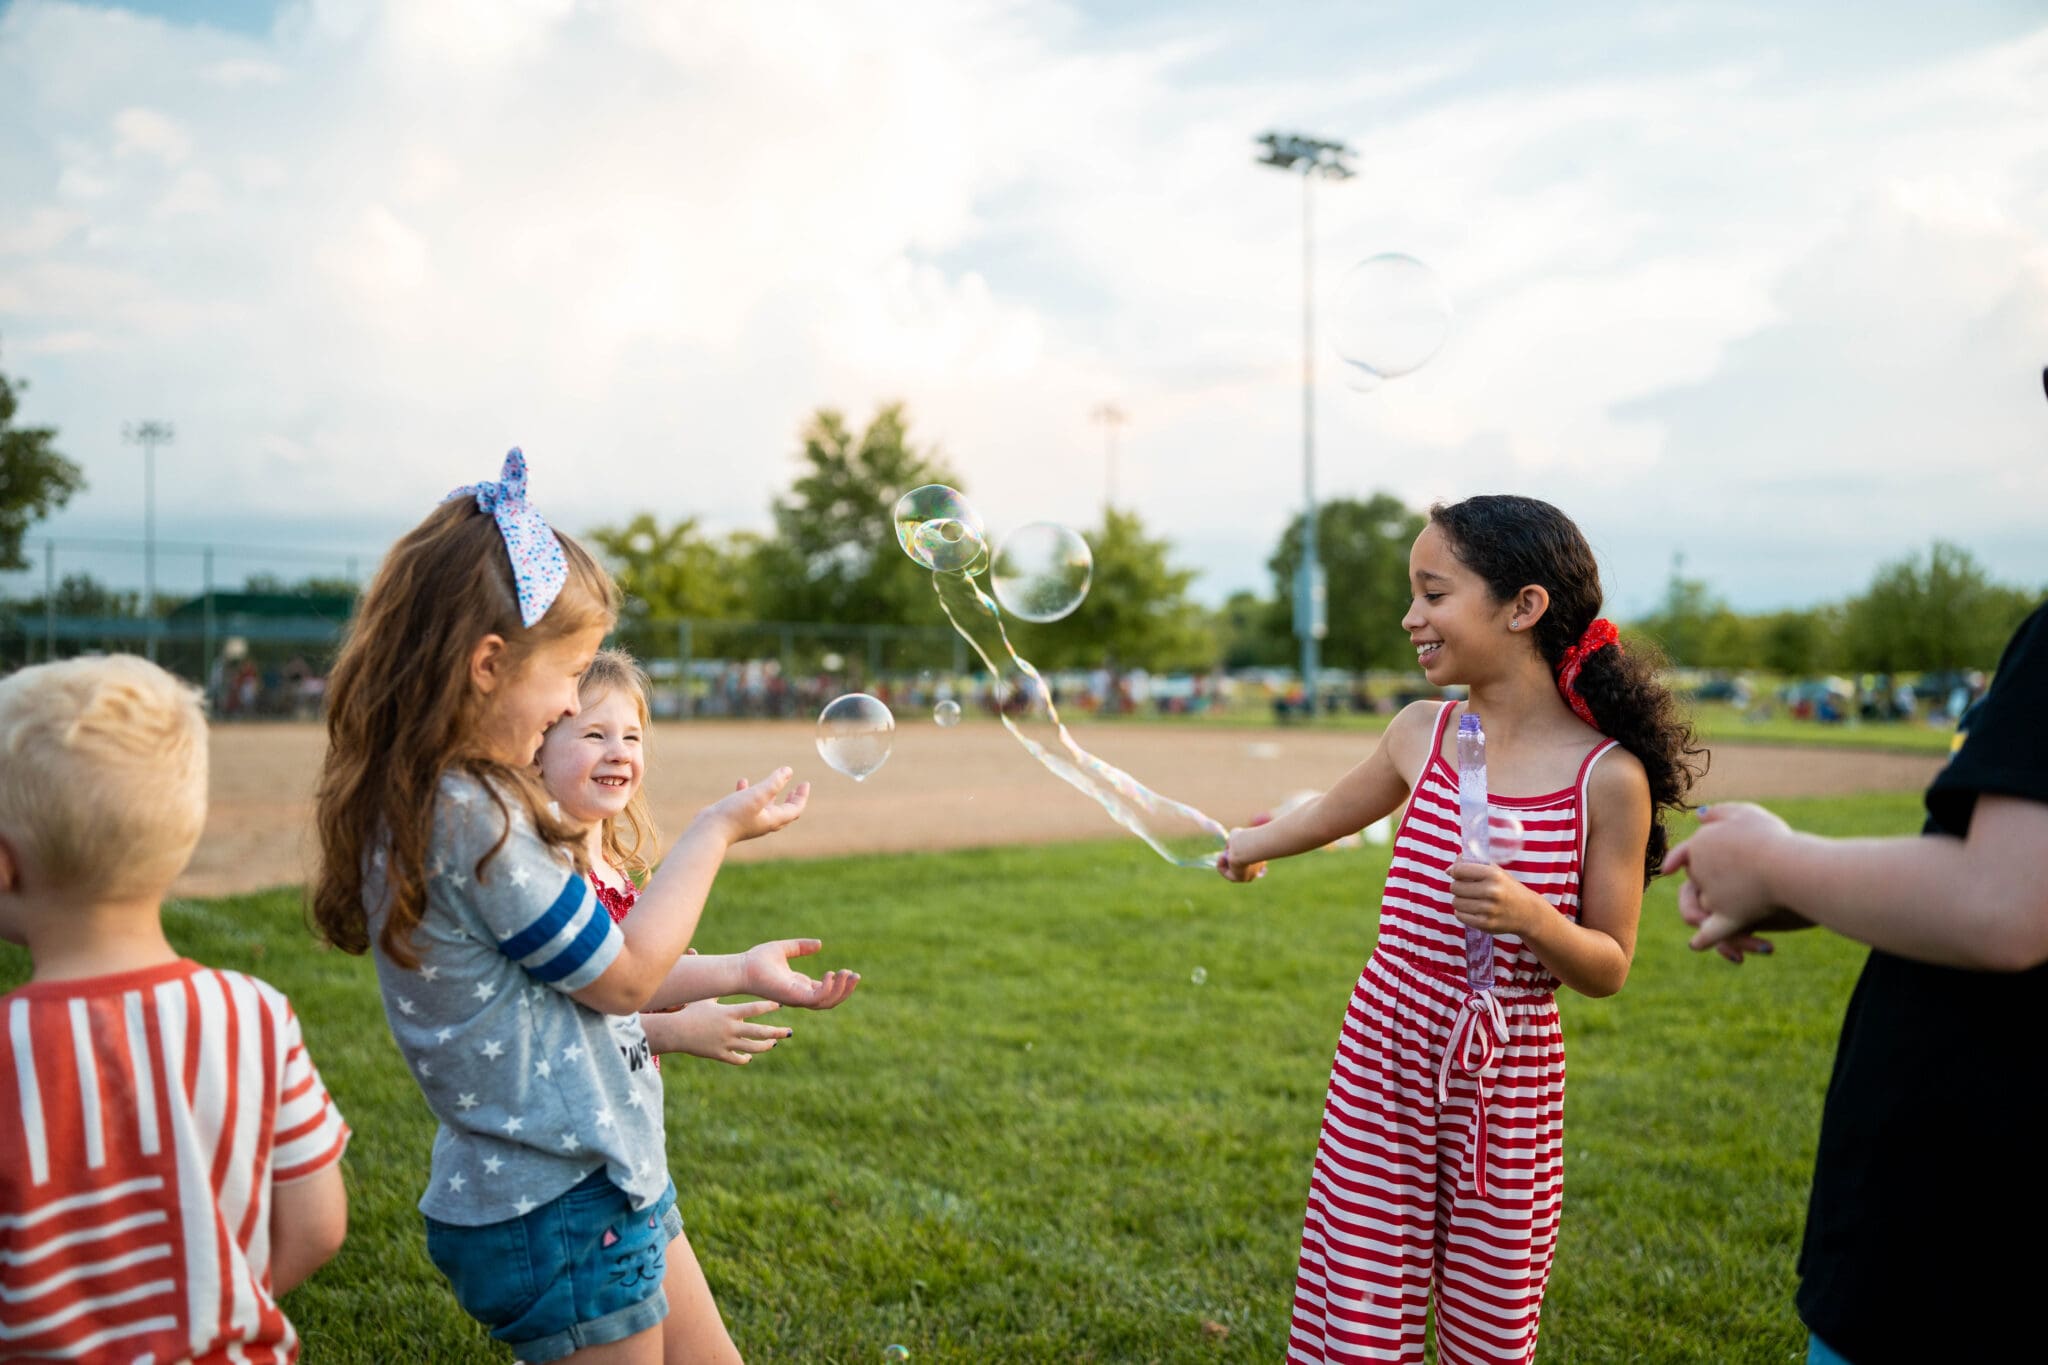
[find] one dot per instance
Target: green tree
(316, 585)
(676, 571)
(1251, 632)
(1363, 548)
(34, 479)
(1799, 642)
(834, 556)
(1942, 611)
(1696, 629)
(1137, 613)
(80, 594)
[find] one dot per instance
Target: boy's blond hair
(102, 774)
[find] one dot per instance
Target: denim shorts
(581, 1270)
(1818, 1352)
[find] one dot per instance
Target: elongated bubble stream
(1174, 830)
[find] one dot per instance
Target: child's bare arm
(1979, 903)
(715, 1031)
(308, 1220)
(668, 909)
(1371, 790)
(762, 970)
(1592, 955)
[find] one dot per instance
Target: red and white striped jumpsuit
(1441, 1161)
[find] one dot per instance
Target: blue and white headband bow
(539, 569)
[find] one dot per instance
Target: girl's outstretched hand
(752, 811)
(715, 1031)
(767, 973)
(1235, 863)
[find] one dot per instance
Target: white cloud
(357, 257)
(145, 132)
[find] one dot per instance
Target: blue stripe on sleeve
(580, 948)
(550, 923)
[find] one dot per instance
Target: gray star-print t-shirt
(533, 1091)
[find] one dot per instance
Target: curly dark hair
(1512, 542)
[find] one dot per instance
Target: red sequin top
(616, 900)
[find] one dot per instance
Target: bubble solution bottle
(1475, 839)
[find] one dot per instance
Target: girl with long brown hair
(512, 995)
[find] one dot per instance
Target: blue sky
(1765, 286)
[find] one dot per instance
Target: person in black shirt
(1923, 1231)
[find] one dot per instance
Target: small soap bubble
(1391, 316)
(854, 734)
(895, 1353)
(1042, 571)
(1200, 976)
(949, 545)
(947, 714)
(1504, 837)
(932, 502)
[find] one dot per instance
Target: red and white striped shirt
(144, 1118)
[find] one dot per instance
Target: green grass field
(1032, 1137)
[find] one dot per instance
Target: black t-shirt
(1923, 1236)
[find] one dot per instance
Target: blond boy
(169, 1160)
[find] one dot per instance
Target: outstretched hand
(1235, 861)
(761, 808)
(767, 973)
(1725, 892)
(715, 1031)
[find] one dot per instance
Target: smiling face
(1456, 626)
(540, 691)
(592, 762)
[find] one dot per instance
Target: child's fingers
(1714, 930)
(750, 1046)
(1677, 857)
(753, 1009)
(1689, 907)
(768, 1033)
(799, 947)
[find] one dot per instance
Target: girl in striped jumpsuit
(1439, 1173)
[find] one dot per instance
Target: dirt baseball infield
(970, 786)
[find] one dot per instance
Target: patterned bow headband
(539, 568)
(1598, 635)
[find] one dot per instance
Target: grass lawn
(1032, 1137)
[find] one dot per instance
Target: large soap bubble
(930, 503)
(1042, 571)
(1391, 316)
(855, 733)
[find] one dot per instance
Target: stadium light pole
(1111, 416)
(149, 435)
(1313, 159)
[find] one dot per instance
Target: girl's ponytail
(1512, 542)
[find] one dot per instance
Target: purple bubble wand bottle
(1475, 839)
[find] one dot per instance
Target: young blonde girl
(512, 995)
(594, 764)
(1439, 1176)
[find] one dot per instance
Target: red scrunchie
(1600, 634)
